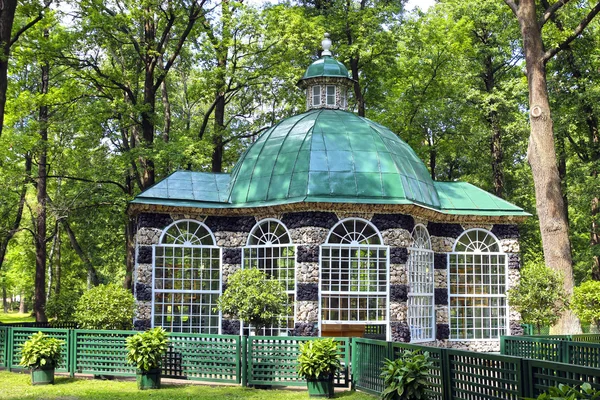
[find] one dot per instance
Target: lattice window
(330, 95)
(421, 315)
(270, 249)
(353, 274)
(343, 98)
(316, 95)
(477, 287)
(186, 279)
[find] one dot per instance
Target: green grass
(15, 386)
(11, 318)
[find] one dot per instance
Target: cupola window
(343, 98)
(330, 95)
(316, 95)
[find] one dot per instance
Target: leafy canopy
(105, 307)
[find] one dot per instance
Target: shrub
(539, 296)
(62, 306)
(318, 359)
(254, 298)
(41, 351)
(564, 392)
(105, 307)
(406, 378)
(586, 302)
(145, 349)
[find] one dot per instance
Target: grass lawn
(15, 386)
(11, 318)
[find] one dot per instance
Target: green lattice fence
(582, 353)
(101, 353)
(586, 337)
(3, 346)
(436, 373)
(533, 347)
(18, 336)
(544, 374)
(367, 359)
(273, 360)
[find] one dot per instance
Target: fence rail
(563, 351)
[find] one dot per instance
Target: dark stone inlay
(307, 254)
(440, 261)
(144, 255)
(141, 324)
(441, 296)
(307, 292)
(230, 224)
(514, 261)
(154, 220)
(506, 231)
(306, 329)
(230, 327)
(442, 331)
(445, 230)
(309, 218)
(398, 255)
(393, 221)
(232, 255)
(400, 332)
(516, 329)
(143, 292)
(398, 292)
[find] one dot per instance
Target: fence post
(526, 387)
(446, 375)
(72, 352)
(564, 350)
(244, 361)
(9, 348)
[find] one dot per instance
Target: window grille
(316, 95)
(354, 274)
(477, 287)
(421, 314)
(330, 95)
(186, 279)
(270, 249)
(343, 98)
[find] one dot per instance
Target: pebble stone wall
(308, 230)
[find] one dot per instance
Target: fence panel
(583, 353)
(480, 376)
(544, 374)
(214, 358)
(586, 337)
(272, 360)
(21, 335)
(533, 347)
(3, 346)
(101, 353)
(436, 380)
(367, 359)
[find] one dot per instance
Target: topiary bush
(586, 302)
(105, 307)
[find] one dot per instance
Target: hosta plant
(145, 349)
(406, 378)
(564, 392)
(41, 351)
(318, 359)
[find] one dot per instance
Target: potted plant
(41, 354)
(145, 351)
(406, 378)
(318, 362)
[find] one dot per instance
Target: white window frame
(421, 293)
(486, 246)
(316, 95)
(270, 241)
(183, 242)
(344, 97)
(355, 240)
(328, 96)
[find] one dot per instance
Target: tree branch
(513, 6)
(550, 11)
(74, 178)
(30, 24)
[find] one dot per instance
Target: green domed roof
(330, 156)
(326, 66)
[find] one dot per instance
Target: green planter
(42, 376)
(148, 379)
(320, 387)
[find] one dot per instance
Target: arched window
(270, 249)
(421, 316)
(353, 274)
(477, 292)
(186, 280)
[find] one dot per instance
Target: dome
(326, 67)
(328, 155)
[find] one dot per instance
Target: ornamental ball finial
(326, 44)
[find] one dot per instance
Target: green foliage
(539, 296)
(564, 392)
(253, 297)
(41, 351)
(61, 307)
(318, 359)
(586, 302)
(145, 349)
(105, 307)
(406, 378)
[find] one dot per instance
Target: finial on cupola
(326, 44)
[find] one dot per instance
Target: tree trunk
(40, 234)
(542, 160)
(497, 154)
(129, 242)
(4, 302)
(22, 304)
(92, 274)
(360, 100)
(562, 171)
(57, 258)
(7, 17)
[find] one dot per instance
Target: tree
(586, 302)
(254, 298)
(539, 296)
(541, 153)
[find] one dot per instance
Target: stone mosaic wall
(308, 230)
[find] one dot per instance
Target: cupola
(326, 81)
